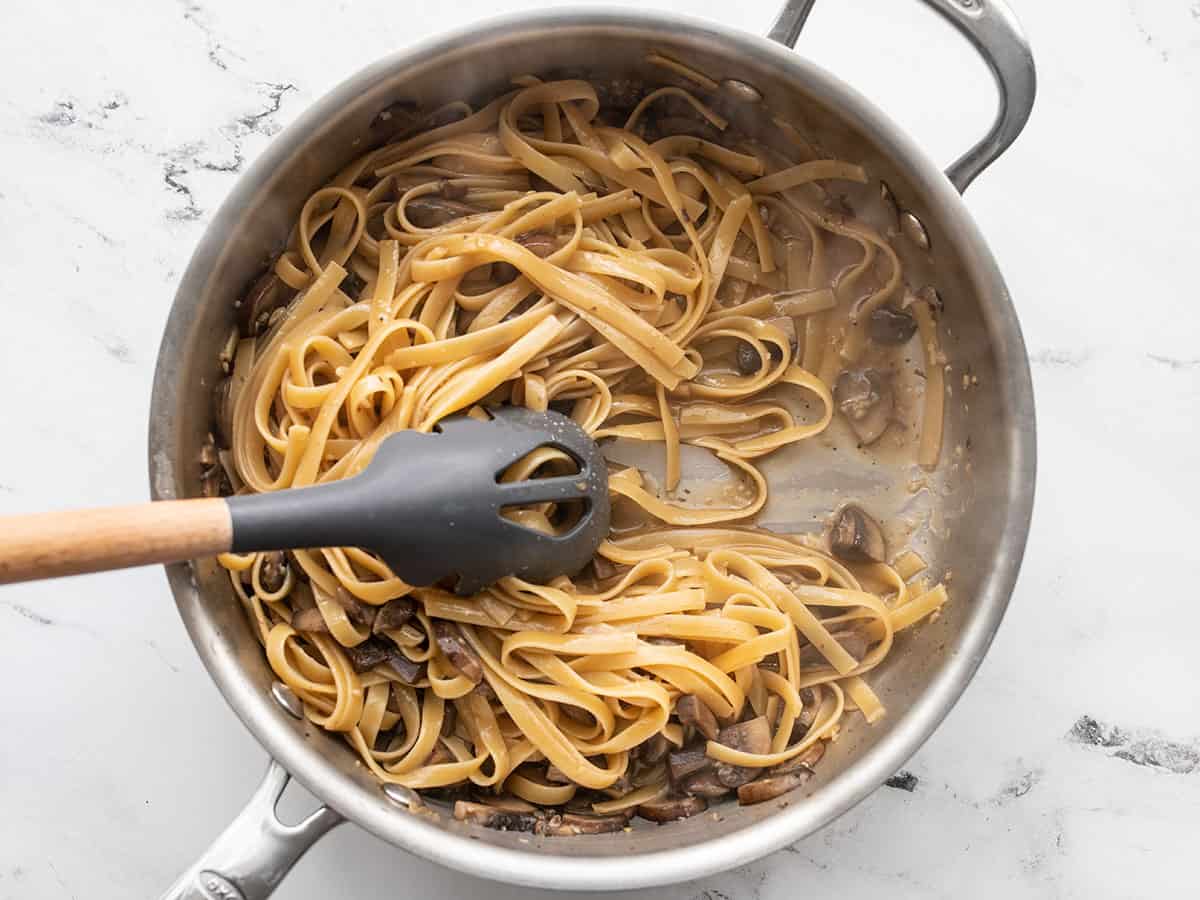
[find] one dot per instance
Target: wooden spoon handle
(46, 545)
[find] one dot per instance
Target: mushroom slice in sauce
(653, 749)
(891, 327)
(671, 808)
(430, 211)
(494, 817)
(691, 710)
(393, 614)
(309, 620)
(704, 784)
(751, 736)
(806, 760)
(570, 824)
(682, 764)
(267, 294)
(771, 787)
(451, 642)
(405, 669)
(274, 570)
(855, 537)
(362, 614)
(369, 654)
(864, 397)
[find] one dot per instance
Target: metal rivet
(914, 230)
(747, 93)
(287, 698)
(402, 796)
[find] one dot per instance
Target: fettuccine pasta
(664, 284)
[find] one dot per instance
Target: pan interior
(955, 517)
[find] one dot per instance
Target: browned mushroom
(668, 809)
(222, 411)
(406, 670)
(273, 571)
(484, 690)
(393, 614)
(602, 567)
(704, 784)
(430, 210)
(539, 243)
(352, 285)
(555, 775)
(653, 749)
(367, 655)
(395, 121)
(787, 325)
(864, 397)
(310, 620)
(460, 654)
(569, 824)
(449, 719)
(493, 817)
(682, 764)
(853, 642)
(361, 614)
(806, 760)
(771, 787)
(856, 537)
(691, 710)
(751, 736)
(891, 327)
(267, 294)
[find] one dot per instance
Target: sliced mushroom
(439, 755)
(806, 760)
(569, 824)
(751, 736)
(460, 654)
(310, 620)
(682, 764)
(771, 787)
(865, 399)
(449, 719)
(653, 749)
(494, 817)
(222, 411)
(266, 295)
(853, 642)
(393, 614)
(602, 567)
(691, 710)
(856, 537)
(367, 655)
(555, 775)
(361, 614)
(891, 327)
(539, 243)
(273, 571)
(748, 359)
(430, 211)
(352, 285)
(787, 325)
(409, 672)
(395, 120)
(452, 190)
(704, 784)
(669, 809)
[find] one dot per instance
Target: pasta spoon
(429, 504)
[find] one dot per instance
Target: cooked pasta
(662, 280)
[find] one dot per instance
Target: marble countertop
(1071, 768)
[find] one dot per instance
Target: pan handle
(994, 32)
(256, 851)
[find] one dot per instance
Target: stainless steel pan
(973, 517)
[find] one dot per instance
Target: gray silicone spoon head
(430, 504)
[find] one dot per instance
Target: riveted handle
(994, 32)
(256, 851)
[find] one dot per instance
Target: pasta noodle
(533, 252)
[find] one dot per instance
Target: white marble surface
(123, 126)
